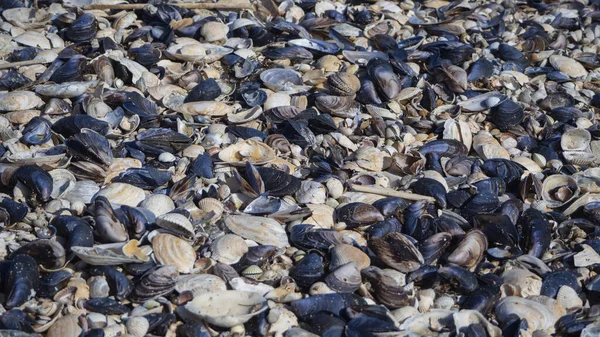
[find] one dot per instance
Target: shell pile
(299, 168)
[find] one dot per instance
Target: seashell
(66, 326)
(176, 223)
(345, 279)
(63, 181)
(265, 231)
(84, 190)
(159, 204)
(568, 298)
(458, 130)
(214, 31)
(158, 282)
(528, 283)
(539, 316)
(63, 90)
(568, 66)
(396, 251)
(311, 192)
(575, 140)
(282, 80)
(205, 108)
(235, 307)
(343, 254)
(211, 207)
(122, 194)
(137, 326)
(19, 100)
(228, 248)
(200, 284)
(98, 287)
(171, 250)
(343, 84)
(470, 250)
(559, 190)
(245, 115)
(579, 157)
(111, 254)
(247, 151)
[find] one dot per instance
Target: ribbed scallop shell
(137, 326)
(228, 248)
(343, 254)
(67, 326)
(177, 223)
(208, 205)
(171, 250)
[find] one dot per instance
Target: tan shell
(158, 204)
(137, 326)
(228, 248)
(470, 251)
(370, 158)
(171, 250)
(488, 147)
(200, 284)
(529, 164)
(458, 130)
(212, 209)
(539, 316)
(575, 140)
(63, 181)
(343, 84)
(111, 254)
(66, 326)
(322, 215)
(244, 116)
(580, 158)
(250, 150)
(227, 308)
(528, 282)
(344, 253)
(568, 66)
(19, 100)
(122, 194)
(177, 223)
(587, 257)
(559, 189)
(214, 31)
(205, 108)
(567, 297)
(265, 231)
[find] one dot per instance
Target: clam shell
(176, 223)
(247, 151)
(265, 231)
(244, 116)
(137, 326)
(63, 90)
(539, 316)
(227, 308)
(568, 66)
(63, 181)
(111, 254)
(568, 298)
(580, 158)
(214, 31)
(200, 284)
(122, 194)
(575, 140)
(66, 326)
(159, 204)
(344, 253)
(527, 282)
(19, 100)
(559, 189)
(205, 108)
(171, 250)
(228, 248)
(84, 191)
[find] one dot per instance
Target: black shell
(83, 29)
(206, 90)
(37, 131)
(90, 146)
(36, 179)
(71, 125)
(507, 114)
(308, 270)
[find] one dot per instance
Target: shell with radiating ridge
(171, 250)
(228, 248)
(176, 223)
